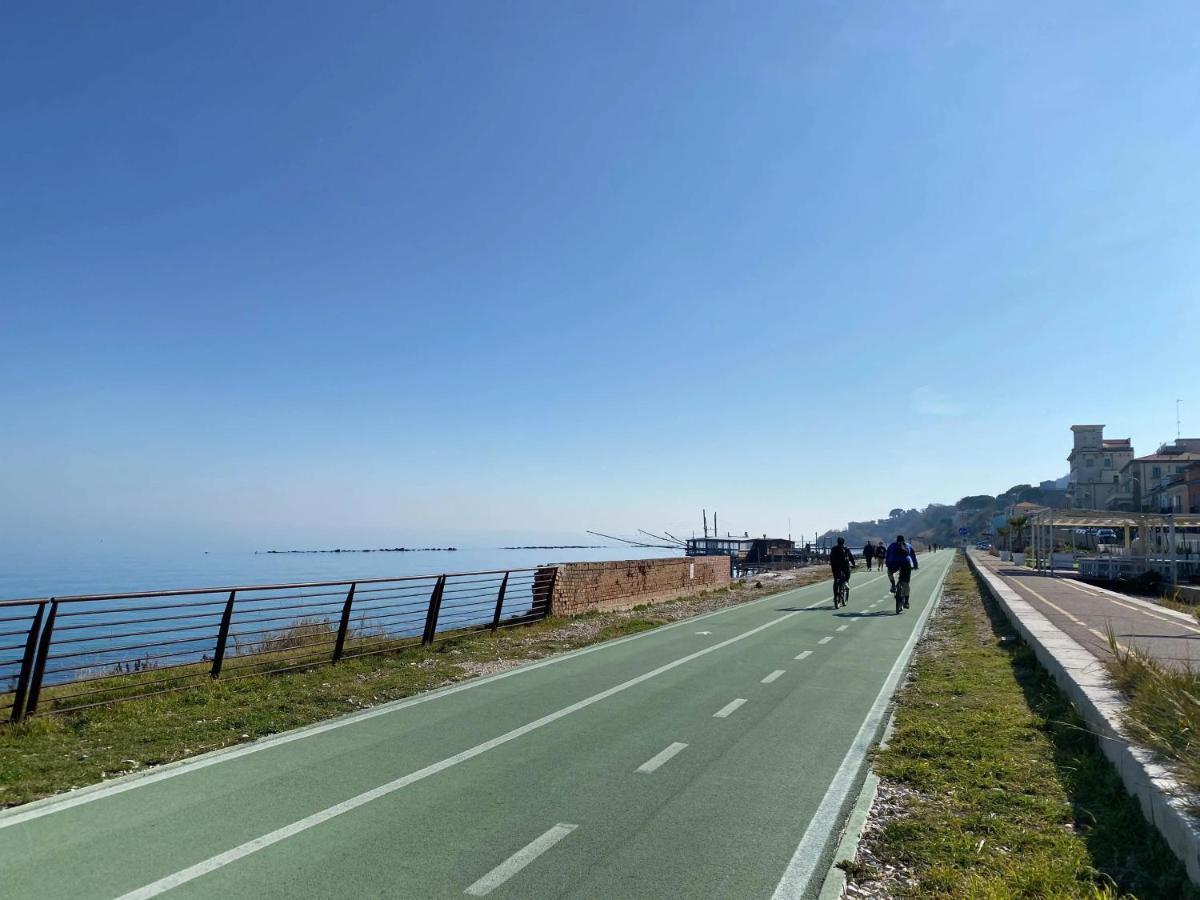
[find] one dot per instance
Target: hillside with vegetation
(940, 522)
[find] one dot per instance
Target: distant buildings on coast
(1106, 475)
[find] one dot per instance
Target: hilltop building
(1096, 464)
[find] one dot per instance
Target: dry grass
(1163, 712)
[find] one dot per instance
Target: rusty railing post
(39, 666)
(499, 603)
(435, 607)
(223, 636)
(31, 643)
(344, 625)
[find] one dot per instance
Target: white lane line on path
(1130, 606)
(183, 876)
(655, 762)
(519, 860)
(803, 865)
(1075, 619)
(774, 675)
(39, 808)
(804, 655)
(841, 628)
(825, 640)
(724, 711)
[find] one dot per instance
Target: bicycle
(841, 591)
(903, 590)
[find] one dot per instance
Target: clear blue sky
(281, 271)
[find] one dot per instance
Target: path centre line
(1173, 615)
(772, 677)
(1138, 609)
(519, 860)
(724, 711)
(183, 876)
(803, 865)
(1076, 620)
(804, 655)
(841, 628)
(825, 640)
(39, 808)
(655, 762)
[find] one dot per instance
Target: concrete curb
(1085, 681)
(834, 886)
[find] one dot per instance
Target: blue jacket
(899, 554)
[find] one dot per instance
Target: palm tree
(1017, 526)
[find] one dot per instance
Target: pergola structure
(1153, 531)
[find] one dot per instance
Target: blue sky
(276, 272)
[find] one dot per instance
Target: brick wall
(587, 586)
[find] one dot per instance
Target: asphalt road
(715, 757)
(1089, 613)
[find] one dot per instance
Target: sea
(91, 571)
(105, 636)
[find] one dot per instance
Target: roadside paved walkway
(1088, 613)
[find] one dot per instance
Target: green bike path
(628, 769)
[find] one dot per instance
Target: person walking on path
(869, 554)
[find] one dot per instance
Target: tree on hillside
(976, 501)
(896, 513)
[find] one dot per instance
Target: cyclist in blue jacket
(900, 558)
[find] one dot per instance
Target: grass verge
(994, 788)
(49, 754)
(1163, 712)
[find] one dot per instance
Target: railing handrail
(311, 631)
(191, 592)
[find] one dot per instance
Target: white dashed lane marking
(519, 860)
(729, 707)
(658, 759)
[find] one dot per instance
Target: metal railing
(70, 653)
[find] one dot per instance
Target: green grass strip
(1009, 794)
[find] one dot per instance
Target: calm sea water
(96, 572)
(99, 637)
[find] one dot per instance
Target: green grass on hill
(1010, 795)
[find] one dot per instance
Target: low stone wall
(586, 586)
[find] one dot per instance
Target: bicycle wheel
(900, 598)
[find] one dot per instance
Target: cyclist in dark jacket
(902, 559)
(841, 560)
